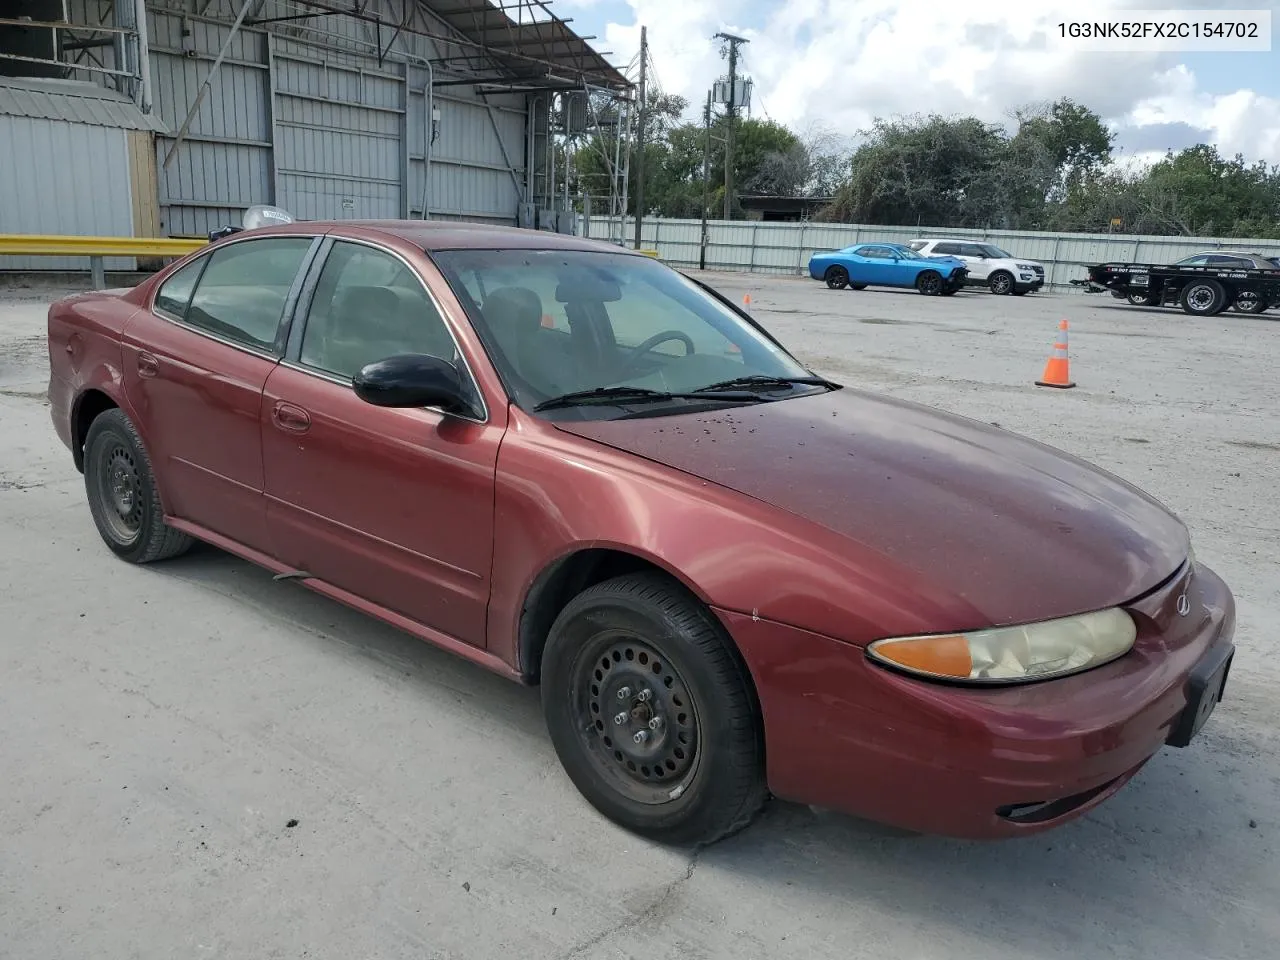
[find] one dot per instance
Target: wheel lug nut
(624, 692)
(644, 694)
(655, 723)
(641, 736)
(620, 718)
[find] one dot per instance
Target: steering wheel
(657, 338)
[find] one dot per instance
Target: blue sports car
(888, 265)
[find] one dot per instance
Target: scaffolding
(576, 99)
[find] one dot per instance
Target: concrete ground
(162, 727)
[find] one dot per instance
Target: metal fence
(785, 248)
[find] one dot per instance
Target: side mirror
(412, 380)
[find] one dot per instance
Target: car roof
(432, 235)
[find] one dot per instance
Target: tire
(123, 498)
(1203, 298)
(929, 283)
(1249, 303)
(1001, 282)
(857, 286)
(1141, 299)
(646, 629)
(837, 278)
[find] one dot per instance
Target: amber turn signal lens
(936, 656)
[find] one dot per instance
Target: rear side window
(242, 293)
(947, 249)
(175, 294)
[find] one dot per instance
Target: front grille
(1039, 271)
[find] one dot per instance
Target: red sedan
(575, 466)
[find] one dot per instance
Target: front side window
(557, 322)
(873, 253)
(369, 306)
(242, 292)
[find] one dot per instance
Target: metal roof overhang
(493, 50)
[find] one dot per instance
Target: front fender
(556, 493)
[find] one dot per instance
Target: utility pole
(644, 114)
(706, 181)
(732, 115)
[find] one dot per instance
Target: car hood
(1014, 528)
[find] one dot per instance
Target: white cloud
(846, 63)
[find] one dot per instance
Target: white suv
(989, 266)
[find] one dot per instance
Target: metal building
(173, 116)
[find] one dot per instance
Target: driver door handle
(290, 417)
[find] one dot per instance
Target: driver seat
(514, 315)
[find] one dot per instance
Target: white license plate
(1139, 280)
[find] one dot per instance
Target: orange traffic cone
(1057, 371)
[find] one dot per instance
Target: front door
(392, 505)
(194, 369)
(975, 260)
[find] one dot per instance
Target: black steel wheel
(929, 283)
(652, 713)
(837, 277)
(1000, 282)
(1203, 298)
(121, 489)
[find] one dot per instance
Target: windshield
(559, 322)
(995, 252)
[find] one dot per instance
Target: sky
(838, 64)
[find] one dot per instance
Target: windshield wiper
(635, 395)
(760, 380)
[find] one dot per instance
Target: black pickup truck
(1203, 285)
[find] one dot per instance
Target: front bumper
(845, 734)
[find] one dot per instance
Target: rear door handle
(148, 366)
(290, 417)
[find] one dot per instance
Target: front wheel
(652, 712)
(123, 498)
(837, 278)
(929, 283)
(1248, 302)
(1000, 282)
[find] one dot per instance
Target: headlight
(1026, 266)
(1035, 651)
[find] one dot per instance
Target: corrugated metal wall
(786, 247)
(47, 187)
(302, 114)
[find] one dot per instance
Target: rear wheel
(929, 283)
(1000, 282)
(651, 711)
(122, 492)
(1203, 298)
(837, 277)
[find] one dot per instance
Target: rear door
(194, 368)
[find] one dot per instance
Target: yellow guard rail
(95, 248)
